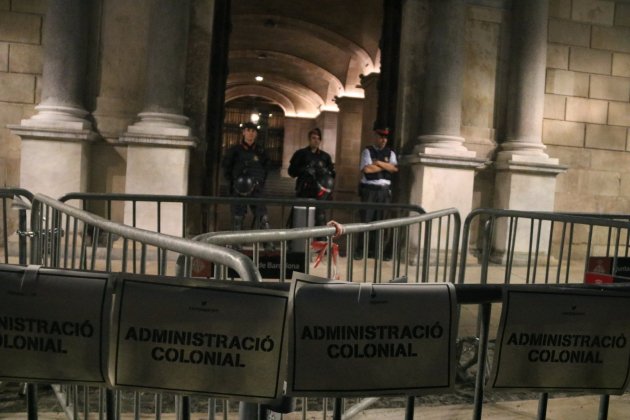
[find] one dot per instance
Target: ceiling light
(254, 117)
(259, 78)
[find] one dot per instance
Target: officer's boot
(237, 224)
(264, 224)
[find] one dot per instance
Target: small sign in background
(268, 265)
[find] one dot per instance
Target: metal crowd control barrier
(519, 247)
(13, 213)
(65, 237)
(425, 249)
(422, 248)
(213, 213)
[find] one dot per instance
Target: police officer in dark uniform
(378, 164)
(315, 173)
(245, 166)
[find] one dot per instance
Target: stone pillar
(350, 120)
(369, 83)
(159, 144)
(441, 169)
(54, 150)
(414, 33)
(525, 174)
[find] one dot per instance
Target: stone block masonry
(20, 27)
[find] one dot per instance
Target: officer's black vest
(249, 162)
(383, 155)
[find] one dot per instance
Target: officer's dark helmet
(325, 184)
(244, 185)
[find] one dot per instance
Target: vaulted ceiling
(307, 51)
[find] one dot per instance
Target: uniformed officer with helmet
(245, 166)
(314, 172)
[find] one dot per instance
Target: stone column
(159, 144)
(441, 168)
(349, 122)
(414, 33)
(54, 150)
(369, 83)
(525, 174)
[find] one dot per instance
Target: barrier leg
(409, 408)
(482, 354)
(110, 405)
(542, 406)
(31, 401)
(337, 409)
(185, 408)
(604, 400)
(248, 411)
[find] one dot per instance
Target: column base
(526, 183)
(442, 181)
(443, 178)
(442, 144)
(161, 124)
(54, 158)
(160, 169)
(58, 117)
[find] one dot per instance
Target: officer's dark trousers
(372, 194)
(259, 210)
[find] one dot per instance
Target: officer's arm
(386, 166)
(228, 164)
(294, 166)
(368, 166)
(372, 168)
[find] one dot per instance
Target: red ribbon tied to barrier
(320, 247)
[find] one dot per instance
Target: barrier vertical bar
(212, 408)
(185, 408)
(136, 405)
(110, 404)
(5, 229)
(22, 238)
(409, 408)
(337, 404)
(486, 309)
(31, 401)
(86, 402)
(75, 402)
(428, 231)
(604, 400)
(542, 406)
(158, 406)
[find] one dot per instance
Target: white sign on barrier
(218, 338)
(51, 325)
(370, 339)
(563, 340)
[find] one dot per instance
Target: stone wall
(20, 76)
(587, 103)
(20, 81)
(587, 108)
